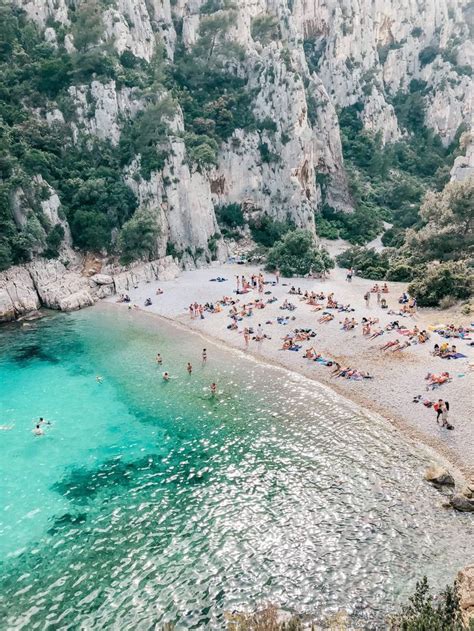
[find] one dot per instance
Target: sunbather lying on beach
(376, 334)
(389, 344)
(400, 347)
(437, 380)
(326, 317)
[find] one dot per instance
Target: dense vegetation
(85, 172)
(405, 183)
(436, 258)
(388, 182)
(296, 254)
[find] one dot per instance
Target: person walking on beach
(277, 276)
(238, 283)
(204, 355)
(367, 299)
(189, 368)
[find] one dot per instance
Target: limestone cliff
(286, 68)
(303, 59)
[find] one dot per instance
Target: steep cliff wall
(255, 87)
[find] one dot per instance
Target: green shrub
(393, 238)
(367, 262)
(6, 256)
(230, 215)
(265, 28)
(358, 227)
(400, 272)
(138, 236)
(427, 613)
(428, 55)
(325, 228)
(266, 230)
(438, 280)
(212, 245)
(266, 154)
(53, 241)
(297, 255)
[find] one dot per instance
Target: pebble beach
(398, 377)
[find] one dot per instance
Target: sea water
(146, 502)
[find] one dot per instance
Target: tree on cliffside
(448, 233)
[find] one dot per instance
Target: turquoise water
(148, 502)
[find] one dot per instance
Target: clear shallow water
(147, 502)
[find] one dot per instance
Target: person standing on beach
(246, 337)
(238, 283)
(204, 355)
(442, 409)
(277, 276)
(367, 299)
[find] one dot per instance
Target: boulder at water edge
(439, 475)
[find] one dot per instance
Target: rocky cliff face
(297, 61)
(303, 59)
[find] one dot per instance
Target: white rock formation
(17, 293)
(327, 54)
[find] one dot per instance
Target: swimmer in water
(43, 422)
(159, 361)
(204, 355)
(189, 368)
(166, 376)
(213, 389)
(37, 431)
(99, 379)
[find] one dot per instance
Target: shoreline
(434, 448)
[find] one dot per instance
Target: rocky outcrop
(439, 475)
(465, 583)
(59, 288)
(48, 283)
(163, 269)
(18, 294)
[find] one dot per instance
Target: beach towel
(296, 347)
(455, 356)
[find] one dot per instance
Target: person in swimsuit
(213, 389)
(37, 430)
(159, 361)
(189, 368)
(204, 355)
(166, 376)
